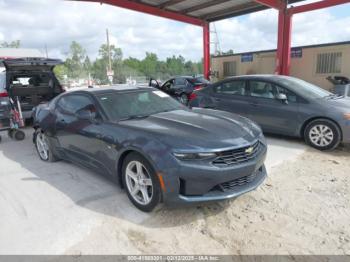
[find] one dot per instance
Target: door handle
(254, 104)
(217, 99)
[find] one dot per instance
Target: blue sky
(38, 24)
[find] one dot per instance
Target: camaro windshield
(137, 104)
(304, 88)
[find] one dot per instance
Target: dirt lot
(302, 208)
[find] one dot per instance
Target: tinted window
(232, 88)
(73, 103)
(180, 81)
(198, 80)
(120, 106)
(262, 89)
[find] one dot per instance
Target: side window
(71, 104)
(168, 84)
(232, 88)
(180, 81)
(290, 95)
(262, 89)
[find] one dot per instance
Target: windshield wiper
(134, 117)
(330, 96)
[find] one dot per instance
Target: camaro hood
(199, 129)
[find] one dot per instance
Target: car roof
(258, 76)
(113, 88)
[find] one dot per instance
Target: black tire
(332, 128)
(183, 98)
(0, 139)
(10, 133)
(51, 157)
(18, 135)
(156, 195)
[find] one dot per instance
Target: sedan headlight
(194, 156)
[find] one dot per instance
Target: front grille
(239, 155)
(226, 186)
(238, 182)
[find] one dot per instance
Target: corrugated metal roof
(208, 10)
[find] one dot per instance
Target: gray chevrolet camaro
(159, 150)
(283, 105)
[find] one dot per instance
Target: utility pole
(110, 73)
(47, 55)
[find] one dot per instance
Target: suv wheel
(141, 183)
(322, 134)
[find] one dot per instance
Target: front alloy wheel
(140, 182)
(323, 134)
(43, 147)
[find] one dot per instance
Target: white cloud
(56, 23)
(258, 31)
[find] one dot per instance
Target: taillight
(192, 96)
(198, 87)
(4, 94)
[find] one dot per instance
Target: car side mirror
(283, 98)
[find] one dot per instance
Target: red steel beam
(206, 49)
(145, 8)
(287, 38)
(277, 4)
(279, 53)
(316, 6)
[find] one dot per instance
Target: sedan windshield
(304, 88)
(137, 104)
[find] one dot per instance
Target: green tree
(61, 72)
(13, 44)
(75, 61)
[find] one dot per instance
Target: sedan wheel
(323, 134)
(140, 182)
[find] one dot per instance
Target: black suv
(181, 87)
(30, 80)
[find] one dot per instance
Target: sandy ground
(303, 207)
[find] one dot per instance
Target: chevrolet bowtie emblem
(249, 150)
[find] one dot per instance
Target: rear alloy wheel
(140, 182)
(43, 147)
(323, 134)
(183, 99)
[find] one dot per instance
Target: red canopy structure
(202, 12)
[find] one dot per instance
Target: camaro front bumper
(197, 182)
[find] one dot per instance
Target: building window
(230, 68)
(328, 63)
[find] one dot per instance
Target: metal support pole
(279, 57)
(206, 49)
(287, 33)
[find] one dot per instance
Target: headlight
(194, 156)
(347, 116)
